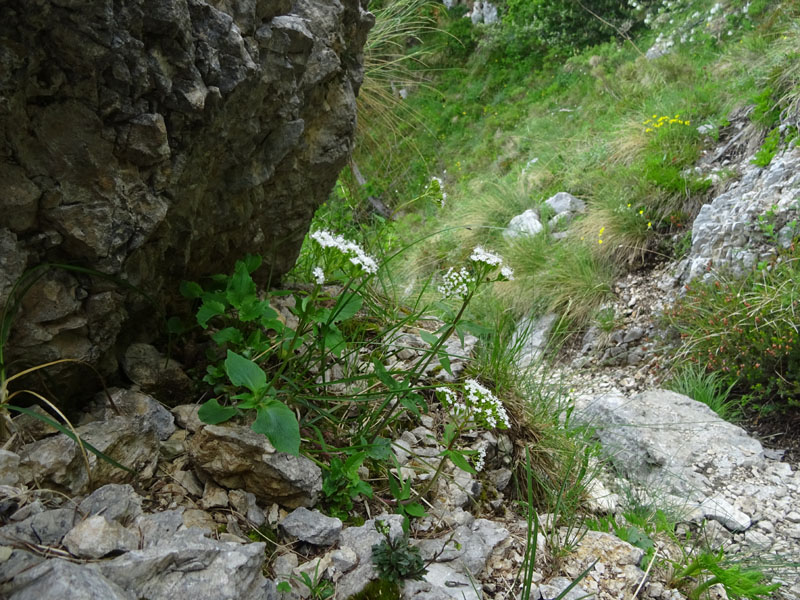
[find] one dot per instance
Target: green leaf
(414, 403)
(362, 488)
(229, 334)
(474, 328)
(414, 509)
(352, 464)
(255, 309)
(244, 372)
(347, 307)
(444, 360)
(334, 340)
(190, 290)
(209, 310)
(395, 489)
(251, 262)
(383, 375)
(278, 423)
(284, 587)
(459, 461)
(380, 449)
(212, 412)
(428, 337)
(175, 326)
(247, 401)
(449, 434)
(241, 287)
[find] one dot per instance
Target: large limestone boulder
(237, 457)
(156, 140)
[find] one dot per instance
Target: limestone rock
(113, 501)
(155, 373)
(160, 140)
(56, 461)
(133, 403)
(97, 536)
(186, 417)
(526, 223)
(312, 526)
(56, 578)
(639, 436)
(219, 570)
(237, 457)
(158, 526)
(532, 336)
(728, 232)
(48, 527)
(564, 202)
(9, 468)
(361, 540)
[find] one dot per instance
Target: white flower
(484, 406)
(353, 251)
(455, 283)
(507, 272)
(319, 275)
(481, 459)
(479, 254)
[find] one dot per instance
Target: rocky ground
(214, 512)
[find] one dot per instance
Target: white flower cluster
(480, 254)
(319, 275)
(448, 396)
(480, 461)
(484, 405)
(480, 406)
(351, 250)
(455, 283)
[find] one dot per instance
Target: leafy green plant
(341, 484)
(709, 568)
(746, 331)
(274, 419)
(318, 587)
(768, 149)
(395, 559)
(570, 25)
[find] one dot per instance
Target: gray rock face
(312, 526)
(55, 578)
(237, 457)
(532, 335)
(48, 527)
(157, 140)
(526, 223)
(640, 434)
(564, 202)
(189, 565)
(156, 374)
(9, 468)
(97, 536)
(56, 461)
(115, 502)
(133, 403)
(744, 224)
